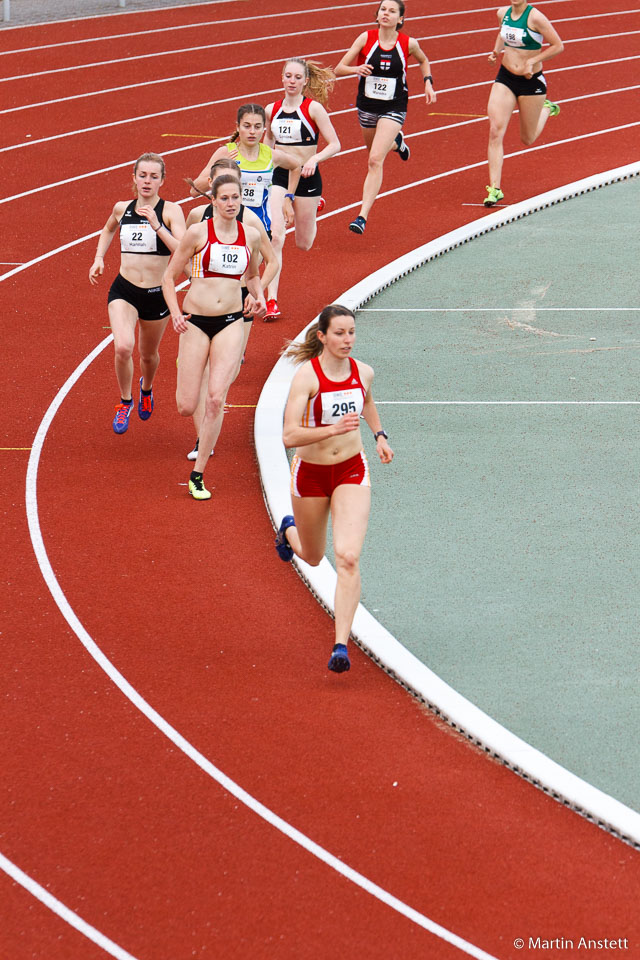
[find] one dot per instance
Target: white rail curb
(385, 649)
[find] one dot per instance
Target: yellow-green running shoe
(197, 488)
(493, 195)
(552, 107)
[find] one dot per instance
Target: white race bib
(138, 238)
(228, 258)
(513, 36)
(338, 402)
(379, 88)
(287, 130)
(252, 193)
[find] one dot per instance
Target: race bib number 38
(339, 402)
(138, 238)
(379, 88)
(252, 193)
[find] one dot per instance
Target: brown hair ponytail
(319, 80)
(242, 112)
(312, 346)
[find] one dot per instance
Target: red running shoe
(321, 204)
(272, 310)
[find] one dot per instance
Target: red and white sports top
(217, 259)
(334, 399)
(385, 89)
(294, 128)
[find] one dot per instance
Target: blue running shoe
(121, 419)
(339, 660)
(358, 225)
(145, 403)
(284, 549)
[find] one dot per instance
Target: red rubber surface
(189, 600)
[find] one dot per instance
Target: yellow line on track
(15, 448)
(434, 114)
(193, 136)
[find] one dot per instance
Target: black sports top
(138, 236)
(385, 89)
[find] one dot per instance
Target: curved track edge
(486, 733)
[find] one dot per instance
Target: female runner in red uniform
(329, 472)
(248, 218)
(379, 58)
(520, 83)
(150, 229)
(296, 122)
(221, 250)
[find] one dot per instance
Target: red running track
(189, 601)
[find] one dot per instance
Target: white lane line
(187, 26)
(267, 16)
(351, 206)
(46, 256)
(482, 163)
(247, 98)
(170, 732)
(280, 36)
(63, 911)
(181, 51)
(204, 142)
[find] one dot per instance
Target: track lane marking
(350, 206)
(258, 93)
(419, 133)
(138, 701)
(59, 908)
(212, 23)
(335, 113)
(283, 36)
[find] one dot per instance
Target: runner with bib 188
(520, 83)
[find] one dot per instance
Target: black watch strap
(381, 433)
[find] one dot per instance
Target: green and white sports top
(516, 33)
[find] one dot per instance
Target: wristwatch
(381, 433)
